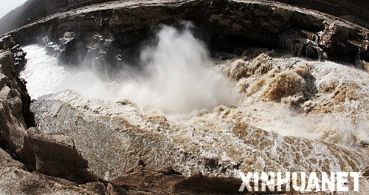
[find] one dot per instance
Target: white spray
(178, 77)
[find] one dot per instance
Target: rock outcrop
(17, 142)
(14, 111)
(303, 32)
(55, 155)
(50, 155)
(32, 10)
(16, 179)
(354, 11)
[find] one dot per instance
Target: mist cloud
(177, 76)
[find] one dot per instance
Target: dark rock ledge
(229, 25)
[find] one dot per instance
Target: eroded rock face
(51, 155)
(14, 101)
(33, 10)
(15, 179)
(303, 32)
(55, 155)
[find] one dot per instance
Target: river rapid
(198, 114)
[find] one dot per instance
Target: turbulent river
(195, 113)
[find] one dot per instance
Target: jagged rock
(6, 42)
(15, 179)
(8, 162)
(19, 58)
(343, 40)
(302, 43)
(12, 120)
(55, 155)
(72, 50)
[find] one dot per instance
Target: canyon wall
(32, 10)
(351, 10)
(228, 26)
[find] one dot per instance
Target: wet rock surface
(14, 110)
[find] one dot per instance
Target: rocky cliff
(21, 144)
(15, 114)
(353, 11)
(33, 10)
(303, 32)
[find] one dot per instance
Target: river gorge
(131, 97)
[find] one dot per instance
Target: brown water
(201, 115)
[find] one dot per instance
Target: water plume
(177, 76)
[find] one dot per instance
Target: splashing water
(181, 75)
(178, 76)
(289, 97)
(295, 97)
